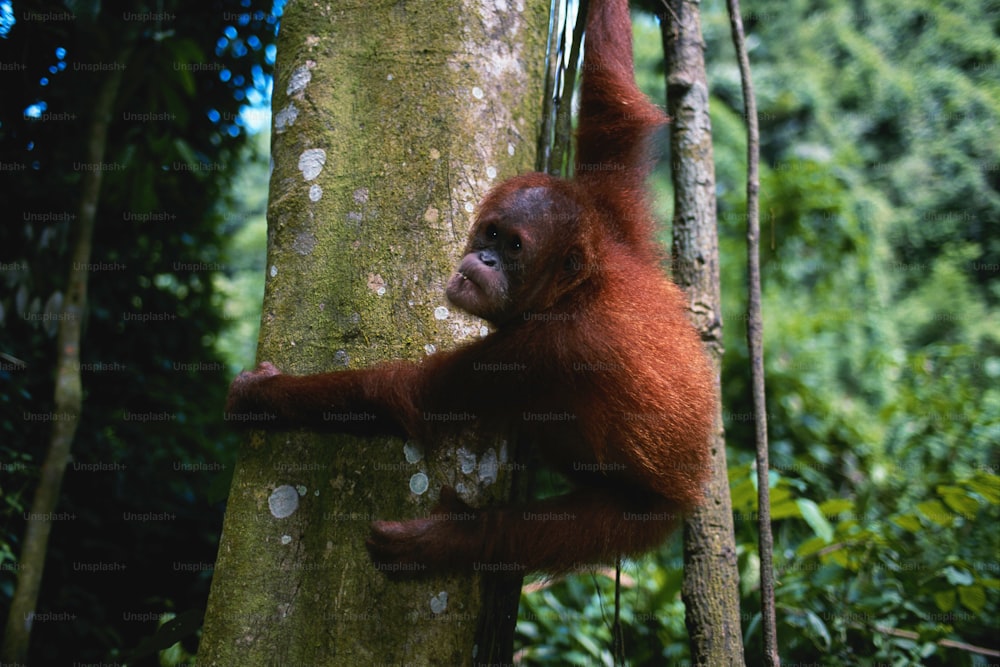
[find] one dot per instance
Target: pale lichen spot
(510, 149)
(484, 331)
(419, 483)
(466, 460)
(304, 243)
(273, 271)
(488, 467)
(285, 118)
(431, 214)
(501, 5)
(361, 196)
(315, 192)
(413, 451)
(477, 92)
(430, 348)
(283, 501)
(441, 313)
(389, 77)
(469, 207)
(439, 603)
(299, 79)
(435, 154)
(491, 172)
(286, 539)
(311, 162)
(302, 490)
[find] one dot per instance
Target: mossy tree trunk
(711, 577)
(391, 121)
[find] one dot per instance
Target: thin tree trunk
(391, 121)
(755, 345)
(711, 578)
(68, 398)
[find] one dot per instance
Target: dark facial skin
(513, 254)
(482, 283)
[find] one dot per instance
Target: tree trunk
(391, 121)
(68, 395)
(755, 346)
(711, 578)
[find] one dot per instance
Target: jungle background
(880, 193)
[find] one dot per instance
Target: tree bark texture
(711, 577)
(391, 121)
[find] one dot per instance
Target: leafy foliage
(882, 340)
(570, 621)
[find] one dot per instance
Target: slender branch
(755, 342)
(68, 394)
(945, 643)
(617, 631)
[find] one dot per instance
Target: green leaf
(780, 495)
(959, 500)
(785, 510)
(988, 486)
(811, 546)
(945, 600)
(935, 512)
(973, 598)
(843, 559)
(814, 517)
(819, 627)
(169, 633)
(836, 506)
(589, 644)
(957, 577)
(907, 522)
(744, 495)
